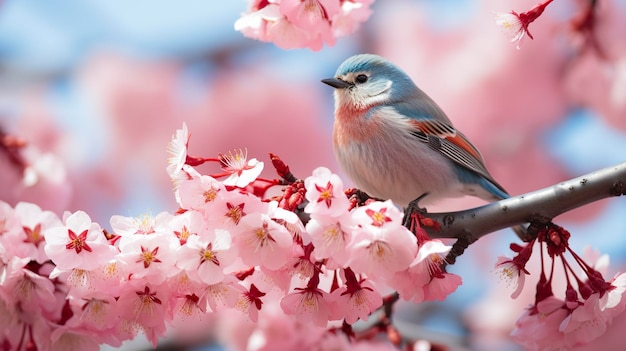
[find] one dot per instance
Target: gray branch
(470, 225)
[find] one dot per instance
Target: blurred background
(98, 88)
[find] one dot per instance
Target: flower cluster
(590, 302)
(67, 283)
(302, 23)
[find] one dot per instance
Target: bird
(394, 142)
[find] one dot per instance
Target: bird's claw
(414, 207)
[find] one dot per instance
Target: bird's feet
(412, 210)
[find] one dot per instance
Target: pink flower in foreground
(148, 257)
(262, 241)
(356, 301)
(143, 224)
(177, 149)
(80, 243)
(381, 245)
(330, 237)
(512, 273)
(242, 171)
(197, 192)
(206, 258)
(424, 279)
(30, 240)
(324, 190)
(144, 308)
(250, 302)
(308, 304)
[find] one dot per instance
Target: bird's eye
(361, 78)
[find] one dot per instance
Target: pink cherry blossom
(225, 294)
(297, 24)
(250, 302)
(227, 210)
(80, 243)
(511, 24)
(33, 293)
(516, 25)
(325, 193)
(254, 23)
(512, 273)
(188, 224)
(206, 258)
(177, 149)
(262, 241)
(330, 237)
(441, 285)
(241, 170)
(308, 304)
(34, 222)
(143, 224)
(310, 15)
(355, 302)
(97, 311)
(197, 192)
(613, 299)
(414, 283)
(148, 257)
(144, 307)
(350, 15)
(538, 327)
(64, 338)
(10, 224)
(585, 323)
(381, 245)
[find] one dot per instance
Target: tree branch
(540, 205)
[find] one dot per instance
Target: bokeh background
(99, 87)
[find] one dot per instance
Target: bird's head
(367, 80)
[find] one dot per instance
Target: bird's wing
(444, 138)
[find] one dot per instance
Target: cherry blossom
(309, 303)
(381, 246)
(514, 270)
(79, 243)
(356, 300)
(516, 25)
(143, 224)
(331, 236)
(325, 193)
(241, 170)
(262, 241)
(205, 258)
(148, 257)
(177, 148)
(298, 24)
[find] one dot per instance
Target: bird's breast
(354, 126)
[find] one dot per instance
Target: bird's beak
(336, 83)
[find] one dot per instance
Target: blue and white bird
(395, 143)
